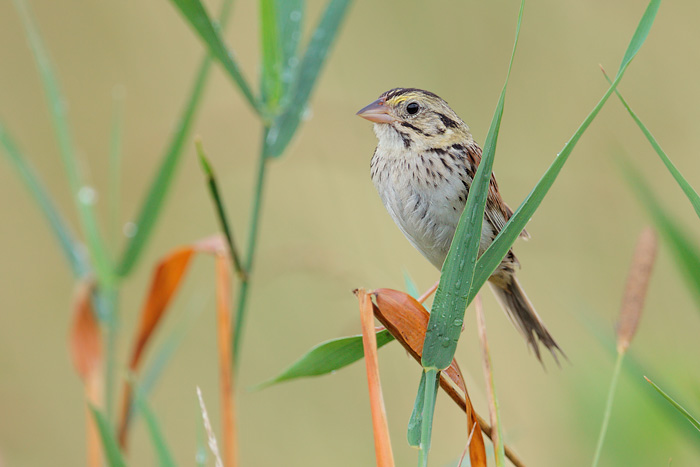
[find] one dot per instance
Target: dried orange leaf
(382, 441)
(406, 319)
(86, 353)
(223, 322)
(85, 341)
(636, 288)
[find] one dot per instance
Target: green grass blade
(504, 241)
(693, 421)
(151, 206)
(290, 15)
(285, 125)
(327, 357)
(199, 20)
(82, 195)
(689, 191)
(608, 409)
(109, 441)
(271, 76)
(432, 380)
(683, 249)
(447, 314)
(71, 248)
(415, 423)
(220, 211)
(165, 458)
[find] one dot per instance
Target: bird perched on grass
(422, 168)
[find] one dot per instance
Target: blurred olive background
(324, 230)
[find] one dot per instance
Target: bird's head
(419, 118)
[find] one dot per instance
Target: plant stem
(107, 298)
(608, 408)
(432, 376)
(239, 322)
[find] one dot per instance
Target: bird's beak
(376, 112)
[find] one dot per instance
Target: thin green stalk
(608, 408)
(108, 298)
(220, 211)
(432, 376)
(239, 322)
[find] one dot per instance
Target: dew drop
(130, 229)
(87, 195)
(295, 15)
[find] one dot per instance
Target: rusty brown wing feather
(497, 211)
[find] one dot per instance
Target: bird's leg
(428, 292)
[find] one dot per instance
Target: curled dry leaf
(636, 288)
(166, 281)
(86, 353)
(406, 319)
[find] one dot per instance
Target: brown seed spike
(636, 288)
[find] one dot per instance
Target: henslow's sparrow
(422, 168)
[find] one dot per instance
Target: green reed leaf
(271, 76)
(72, 249)
(689, 191)
(82, 195)
(432, 381)
(504, 241)
(165, 458)
(455, 287)
(290, 16)
(285, 125)
(208, 31)
(693, 421)
(152, 204)
(327, 357)
(685, 252)
(109, 441)
(415, 423)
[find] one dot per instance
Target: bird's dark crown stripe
(401, 91)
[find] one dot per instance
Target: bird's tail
(523, 315)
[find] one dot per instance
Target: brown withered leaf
(165, 282)
(85, 338)
(406, 319)
(636, 288)
(86, 352)
(382, 441)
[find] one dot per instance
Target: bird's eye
(412, 108)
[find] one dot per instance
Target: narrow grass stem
(108, 298)
(239, 322)
(432, 376)
(608, 409)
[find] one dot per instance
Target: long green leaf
(432, 381)
(504, 241)
(151, 206)
(69, 245)
(109, 441)
(684, 250)
(290, 15)
(271, 76)
(285, 125)
(165, 458)
(327, 357)
(693, 421)
(689, 191)
(455, 288)
(415, 423)
(83, 195)
(197, 16)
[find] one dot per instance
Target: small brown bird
(422, 168)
